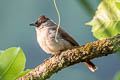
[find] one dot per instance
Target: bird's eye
(36, 22)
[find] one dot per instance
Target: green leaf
(117, 77)
(23, 73)
(1, 51)
(106, 22)
(12, 63)
(118, 4)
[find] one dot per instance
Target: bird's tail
(91, 66)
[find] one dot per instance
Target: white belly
(49, 45)
(41, 38)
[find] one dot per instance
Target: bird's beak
(33, 24)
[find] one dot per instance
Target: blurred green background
(16, 15)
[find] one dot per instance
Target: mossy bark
(70, 57)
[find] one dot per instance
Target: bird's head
(42, 19)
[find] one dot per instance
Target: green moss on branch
(70, 57)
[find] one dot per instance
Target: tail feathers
(91, 66)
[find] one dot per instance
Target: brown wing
(67, 37)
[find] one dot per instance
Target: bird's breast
(41, 39)
(46, 40)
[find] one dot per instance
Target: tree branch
(70, 57)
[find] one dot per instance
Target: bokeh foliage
(106, 22)
(12, 63)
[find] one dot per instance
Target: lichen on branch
(70, 57)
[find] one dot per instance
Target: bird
(46, 33)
